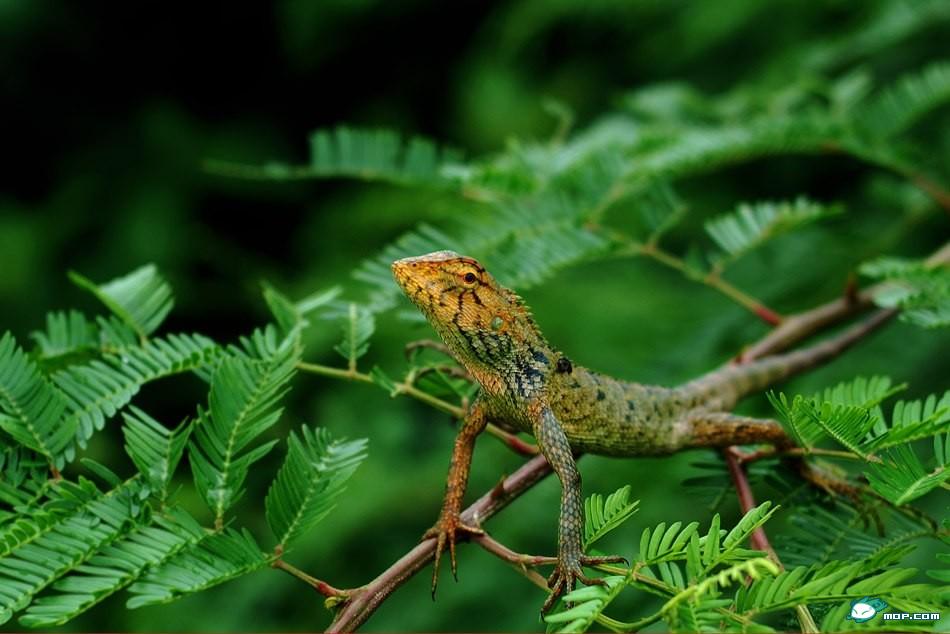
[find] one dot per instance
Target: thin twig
(519, 446)
(322, 587)
(714, 281)
(518, 561)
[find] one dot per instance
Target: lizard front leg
(448, 524)
(570, 557)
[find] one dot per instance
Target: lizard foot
(567, 573)
(445, 532)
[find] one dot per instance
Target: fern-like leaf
(309, 482)
(64, 542)
(212, 561)
(900, 105)
(31, 409)
(243, 404)
(345, 152)
(602, 516)
(921, 291)
(142, 299)
(901, 477)
(588, 603)
(663, 543)
(751, 225)
(67, 334)
(358, 326)
(912, 420)
(154, 449)
(114, 567)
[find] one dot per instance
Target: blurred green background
(110, 109)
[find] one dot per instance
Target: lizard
(528, 385)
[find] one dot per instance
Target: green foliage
(113, 568)
(901, 477)
(751, 225)
(32, 409)
(602, 516)
(86, 544)
(849, 414)
(153, 448)
(211, 561)
(921, 291)
(66, 334)
(693, 572)
(365, 154)
(54, 548)
(309, 482)
(358, 327)
(242, 405)
(142, 299)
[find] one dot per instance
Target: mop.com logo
(866, 608)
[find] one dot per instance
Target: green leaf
(114, 567)
(589, 603)
(64, 542)
(898, 106)
(309, 482)
(664, 543)
(98, 389)
(154, 448)
(921, 291)
(291, 315)
(912, 420)
(754, 224)
(67, 334)
(141, 299)
(358, 326)
(901, 476)
(366, 154)
(211, 561)
(244, 403)
(602, 516)
(31, 409)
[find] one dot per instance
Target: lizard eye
(469, 278)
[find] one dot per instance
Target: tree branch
(365, 600)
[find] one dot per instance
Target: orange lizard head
(483, 322)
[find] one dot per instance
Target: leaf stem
(511, 440)
(322, 587)
(711, 279)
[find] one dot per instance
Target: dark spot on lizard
(539, 357)
(631, 405)
(564, 366)
(600, 395)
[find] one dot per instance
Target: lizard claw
(567, 573)
(445, 532)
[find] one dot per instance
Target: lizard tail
(728, 384)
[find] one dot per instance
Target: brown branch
(740, 480)
(797, 327)
(365, 600)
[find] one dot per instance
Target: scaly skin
(529, 385)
